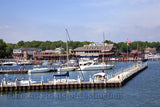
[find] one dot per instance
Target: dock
(119, 79)
(14, 72)
(20, 71)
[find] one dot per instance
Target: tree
(2, 48)
(20, 43)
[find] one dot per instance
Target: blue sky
(86, 20)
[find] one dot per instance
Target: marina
(117, 79)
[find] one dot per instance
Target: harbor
(115, 80)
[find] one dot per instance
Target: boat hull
(66, 69)
(96, 67)
(39, 70)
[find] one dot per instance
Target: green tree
(2, 48)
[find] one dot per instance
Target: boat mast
(67, 46)
(103, 47)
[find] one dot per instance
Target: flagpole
(127, 52)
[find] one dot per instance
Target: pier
(114, 81)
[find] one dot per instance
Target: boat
(58, 63)
(66, 66)
(89, 65)
(99, 76)
(22, 82)
(151, 56)
(64, 80)
(9, 64)
(61, 75)
(95, 66)
(38, 69)
(24, 63)
(13, 80)
(73, 61)
(84, 61)
(64, 69)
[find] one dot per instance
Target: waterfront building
(95, 49)
(150, 51)
(25, 53)
(91, 50)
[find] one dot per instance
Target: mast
(67, 46)
(103, 47)
(127, 52)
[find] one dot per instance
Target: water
(143, 90)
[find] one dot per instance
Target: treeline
(135, 45)
(6, 49)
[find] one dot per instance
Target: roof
(95, 48)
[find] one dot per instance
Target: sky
(86, 20)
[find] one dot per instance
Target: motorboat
(152, 56)
(12, 81)
(99, 76)
(22, 82)
(58, 63)
(84, 61)
(95, 66)
(73, 61)
(64, 69)
(24, 63)
(38, 69)
(9, 64)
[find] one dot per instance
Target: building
(95, 49)
(150, 51)
(59, 50)
(91, 50)
(25, 53)
(57, 54)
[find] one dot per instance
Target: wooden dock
(117, 80)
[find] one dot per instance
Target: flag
(128, 42)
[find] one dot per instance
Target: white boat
(151, 56)
(24, 63)
(99, 76)
(113, 59)
(9, 63)
(64, 69)
(22, 82)
(38, 69)
(95, 66)
(84, 61)
(19, 82)
(64, 81)
(88, 65)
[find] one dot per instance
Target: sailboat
(66, 68)
(93, 65)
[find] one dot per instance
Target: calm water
(143, 90)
